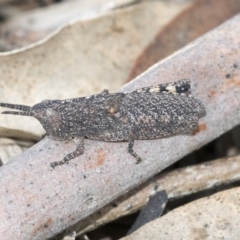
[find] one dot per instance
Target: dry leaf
(10, 148)
(199, 18)
(30, 26)
(214, 217)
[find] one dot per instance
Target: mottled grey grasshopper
(147, 113)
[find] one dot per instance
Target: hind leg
(132, 152)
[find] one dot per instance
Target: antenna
(26, 110)
(16, 106)
(18, 113)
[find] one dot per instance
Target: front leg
(77, 152)
(131, 151)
